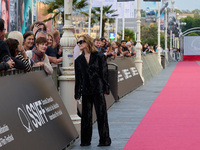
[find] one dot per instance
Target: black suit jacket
(91, 78)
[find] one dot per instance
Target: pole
(116, 24)
(101, 17)
(175, 42)
(166, 49)
(89, 21)
(67, 79)
(123, 21)
(159, 58)
(138, 61)
(171, 42)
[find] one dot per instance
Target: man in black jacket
(3, 46)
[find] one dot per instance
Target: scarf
(37, 56)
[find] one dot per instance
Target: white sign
(129, 9)
(191, 45)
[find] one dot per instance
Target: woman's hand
(36, 28)
(40, 63)
(60, 50)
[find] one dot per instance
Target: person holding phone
(91, 82)
(8, 63)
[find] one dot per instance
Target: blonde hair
(91, 48)
(49, 34)
(151, 48)
(55, 33)
(18, 36)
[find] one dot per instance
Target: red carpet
(173, 120)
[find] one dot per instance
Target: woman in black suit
(91, 82)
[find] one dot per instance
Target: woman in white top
(38, 56)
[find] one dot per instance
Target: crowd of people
(114, 49)
(35, 47)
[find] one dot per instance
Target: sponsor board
(128, 76)
(33, 115)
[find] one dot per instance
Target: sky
(180, 4)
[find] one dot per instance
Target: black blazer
(91, 78)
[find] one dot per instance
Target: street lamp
(67, 79)
(159, 58)
(138, 47)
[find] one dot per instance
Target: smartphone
(6, 58)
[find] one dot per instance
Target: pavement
(125, 115)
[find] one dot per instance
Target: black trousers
(86, 121)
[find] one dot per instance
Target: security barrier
(150, 66)
(33, 115)
(127, 75)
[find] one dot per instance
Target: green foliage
(191, 23)
(196, 13)
(129, 35)
(193, 34)
(58, 5)
(149, 34)
(107, 11)
(143, 13)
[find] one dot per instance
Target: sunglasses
(81, 42)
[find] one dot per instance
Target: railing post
(166, 55)
(159, 58)
(138, 61)
(67, 79)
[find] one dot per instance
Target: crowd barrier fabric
(33, 115)
(128, 76)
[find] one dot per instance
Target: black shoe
(107, 143)
(85, 144)
(104, 144)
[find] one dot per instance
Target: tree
(191, 23)
(108, 16)
(129, 35)
(196, 13)
(149, 33)
(58, 5)
(193, 34)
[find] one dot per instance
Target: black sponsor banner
(33, 116)
(128, 76)
(152, 0)
(125, 0)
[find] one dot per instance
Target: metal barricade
(113, 80)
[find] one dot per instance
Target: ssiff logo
(32, 116)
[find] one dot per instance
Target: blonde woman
(91, 82)
(151, 50)
(50, 40)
